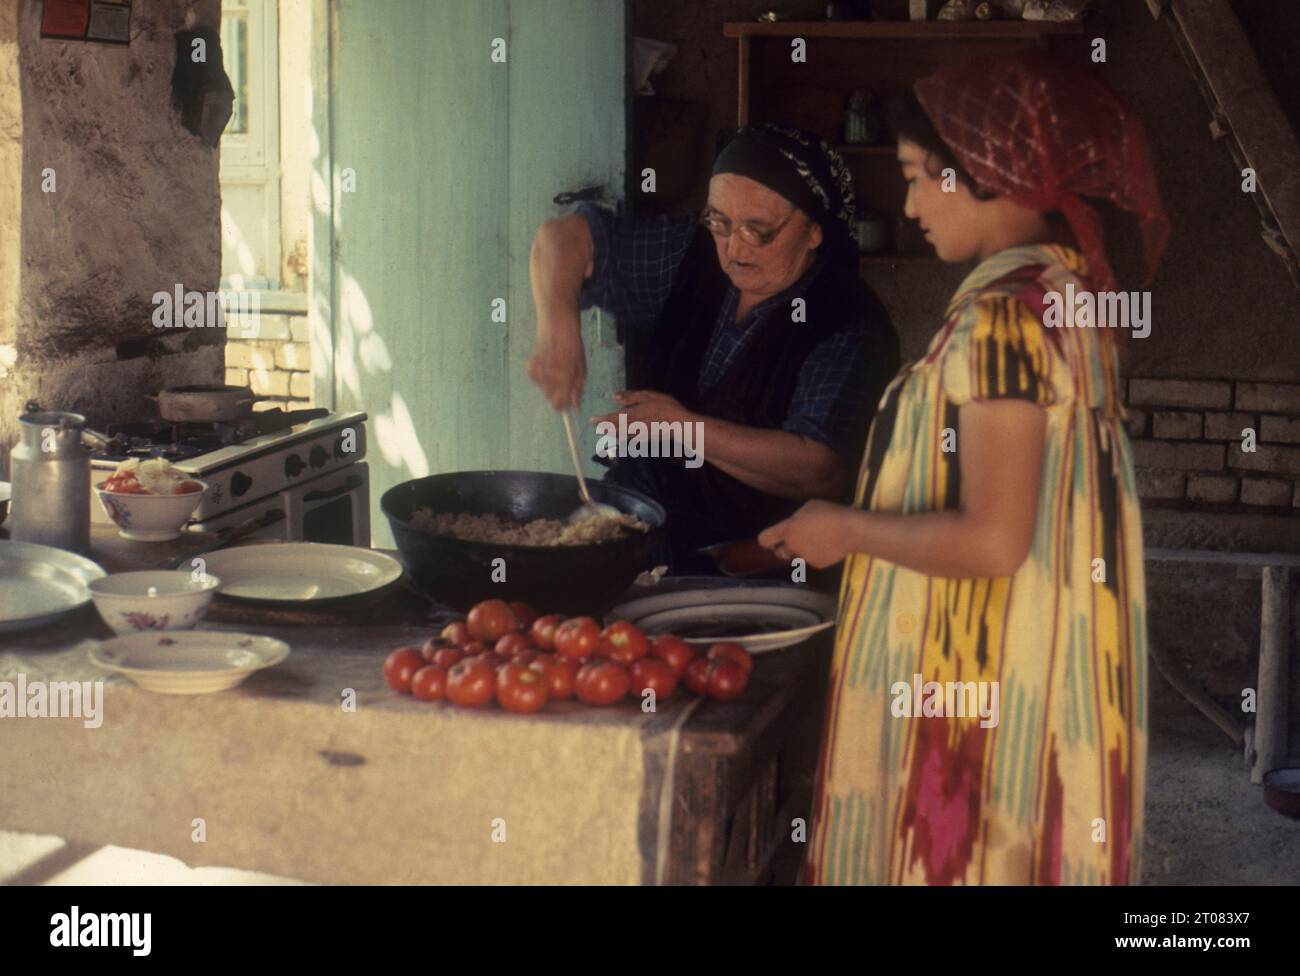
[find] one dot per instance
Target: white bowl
(189, 663)
(153, 600)
(150, 518)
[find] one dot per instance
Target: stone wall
(1217, 445)
(274, 359)
(105, 200)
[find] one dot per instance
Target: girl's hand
(817, 533)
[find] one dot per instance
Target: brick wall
(1191, 452)
(274, 358)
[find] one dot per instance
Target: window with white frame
(250, 147)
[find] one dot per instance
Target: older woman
(987, 715)
(759, 328)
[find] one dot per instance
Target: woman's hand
(817, 533)
(558, 364)
(646, 406)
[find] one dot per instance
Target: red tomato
(602, 682)
(472, 647)
(578, 637)
(491, 620)
(431, 647)
(650, 672)
(543, 630)
(727, 680)
(520, 690)
(525, 657)
(524, 614)
(456, 632)
(490, 658)
(697, 676)
(471, 684)
(513, 643)
(430, 683)
(448, 657)
(559, 672)
(674, 652)
(400, 668)
(622, 642)
(726, 651)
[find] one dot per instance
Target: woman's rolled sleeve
(634, 263)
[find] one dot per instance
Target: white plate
(760, 618)
(300, 572)
(39, 584)
(188, 662)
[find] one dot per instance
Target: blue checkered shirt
(633, 270)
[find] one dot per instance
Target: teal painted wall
(456, 161)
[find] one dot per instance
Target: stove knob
(239, 483)
(293, 466)
(318, 457)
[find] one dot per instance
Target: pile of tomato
(505, 652)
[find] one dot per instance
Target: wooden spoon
(588, 509)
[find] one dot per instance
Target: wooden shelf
(895, 30)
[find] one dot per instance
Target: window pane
(234, 46)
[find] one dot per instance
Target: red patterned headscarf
(1045, 134)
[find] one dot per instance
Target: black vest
(705, 504)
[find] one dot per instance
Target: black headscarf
(803, 168)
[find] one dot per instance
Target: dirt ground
(1206, 824)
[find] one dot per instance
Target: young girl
(987, 712)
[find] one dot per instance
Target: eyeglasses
(748, 233)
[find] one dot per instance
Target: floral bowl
(153, 600)
(150, 518)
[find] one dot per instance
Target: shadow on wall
(355, 348)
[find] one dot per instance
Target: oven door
(333, 508)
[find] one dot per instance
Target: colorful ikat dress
(1053, 792)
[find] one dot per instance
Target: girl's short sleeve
(1000, 349)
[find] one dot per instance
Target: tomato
(448, 657)
(727, 651)
(602, 682)
(400, 667)
(471, 684)
(525, 657)
(697, 676)
(430, 683)
(674, 652)
(559, 672)
(622, 642)
(578, 637)
(524, 614)
(490, 658)
(543, 630)
(513, 643)
(727, 680)
(456, 632)
(431, 647)
(491, 619)
(520, 690)
(472, 647)
(650, 672)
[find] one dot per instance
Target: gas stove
(306, 465)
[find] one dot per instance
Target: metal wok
(571, 580)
